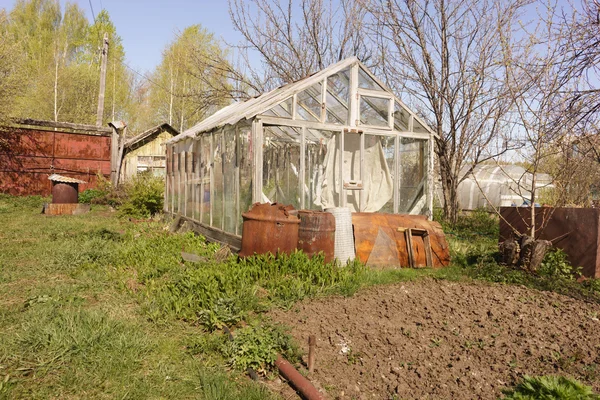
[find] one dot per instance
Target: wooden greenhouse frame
(286, 146)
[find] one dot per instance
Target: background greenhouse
(285, 146)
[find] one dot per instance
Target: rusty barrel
(316, 233)
(269, 228)
(65, 193)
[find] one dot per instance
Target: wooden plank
(215, 234)
(65, 125)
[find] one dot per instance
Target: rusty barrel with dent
(269, 228)
(316, 233)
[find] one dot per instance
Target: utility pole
(102, 81)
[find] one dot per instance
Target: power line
(145, 77)
(92, 8)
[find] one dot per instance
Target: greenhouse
(338, 138)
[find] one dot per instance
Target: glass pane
(413, 171)
(246, 173)
(309, 103)
(401, 117)
(418, 127)
(380, 157)
(230, 189)
(316, 157)
(338, 92)
(366, 82)
(374, 111)
(175, 180)
(189, 185)
(181, 174)
(283, 109)
(196, 180)
(205, 168)
(217, 182)
(281, 167)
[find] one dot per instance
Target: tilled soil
(445, 340)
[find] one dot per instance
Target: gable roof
(237, 111)
(147, 136)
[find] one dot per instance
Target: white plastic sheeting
(501, 186)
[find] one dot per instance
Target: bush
(550, 388)
(556, 265)
(89, 196)
(142, 196)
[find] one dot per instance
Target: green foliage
(556, 265)
(256, 346)
(193, 67)
(476, 223)
(550, 388)
(90, 196)
(221, 294)
(143, 196)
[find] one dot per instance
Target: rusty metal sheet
(28, 156)
(369, 229)
(574, 230)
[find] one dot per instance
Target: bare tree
(580, 48)
(296, 38)
(444, 54)
(547, 117)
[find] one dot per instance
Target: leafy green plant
(550, 388)
(556, 265)
(143, 196)
(90, 195)
(256, 346)
(221, 294)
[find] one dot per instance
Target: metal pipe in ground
(302, 385)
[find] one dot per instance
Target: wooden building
(146, 152)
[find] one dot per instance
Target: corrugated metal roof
(64, 179)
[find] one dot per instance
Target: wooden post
(312, 343)
(102, 81)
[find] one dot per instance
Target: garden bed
(445, 340)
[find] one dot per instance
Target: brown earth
(445, 340)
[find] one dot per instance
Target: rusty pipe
(302, 385)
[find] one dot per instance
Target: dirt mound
(445, 340)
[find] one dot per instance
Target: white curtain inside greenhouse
(377, 183)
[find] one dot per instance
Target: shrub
(550, 388)
(556, 265)
(142, 196)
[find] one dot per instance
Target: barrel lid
(272, 212)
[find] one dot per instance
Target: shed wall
(29, 156)
(154, 147)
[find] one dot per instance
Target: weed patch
(550, 388)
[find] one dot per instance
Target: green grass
(71, 327)
(94, 306)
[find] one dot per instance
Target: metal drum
(269, 228)
(317, 233)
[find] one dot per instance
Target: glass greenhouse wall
(338, 138)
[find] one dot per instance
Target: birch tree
(191, 82)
